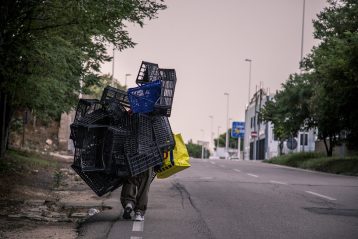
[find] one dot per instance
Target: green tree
(326, 96)
(51, 51)
(105, 80)
(334, 69)
(289, 111)
(232, 141)
(195, 150)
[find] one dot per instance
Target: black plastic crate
(111, 94)
(99, 182)
(89, 141)
(148, 72)
(115, 102)
(90, 158)
(168, 81)
(142, 131)
(96, 144)
(163, 134)
(141, 162)
(114, 146)
(140, 136)
(90, 111)
(77, 135)
(121, 165)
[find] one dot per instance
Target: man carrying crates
(134, 195)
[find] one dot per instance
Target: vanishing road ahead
(239, 199)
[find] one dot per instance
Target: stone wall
(65, 143)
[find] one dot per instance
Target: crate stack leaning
(124, 133)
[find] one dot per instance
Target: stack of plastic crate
(124, 133)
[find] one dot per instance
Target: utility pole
(112, 68)
(227, 127)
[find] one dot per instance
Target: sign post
(238, 131)
(203, 144)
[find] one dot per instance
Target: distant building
(220, 153)
(259, 140)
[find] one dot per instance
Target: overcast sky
(206, 42)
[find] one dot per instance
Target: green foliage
(334, 68)
(57, 178)
(96, 90)
(289, 111)
(195, 150)
(24, 161)
(48, 47)
(51, 51)
(232, 141)
(326, 96)
(315, 161)
(294, 159)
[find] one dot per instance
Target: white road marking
(320, 195)
(206, 178)
(138, 226)
(136, 237)
(237, 170)
(252, 175)
(212, 162)
(278, 182)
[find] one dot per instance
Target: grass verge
(18, 161)
(319, 162)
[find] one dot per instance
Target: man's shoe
(138, 216)
(127, 211)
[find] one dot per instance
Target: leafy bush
(318, 162)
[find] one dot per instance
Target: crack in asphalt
(184, 194)
(333, 211)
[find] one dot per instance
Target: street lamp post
(211, 130)
(202, 146)
(303, 28)
(125, 82)
(227, 127)
(249, 60)
(217, 142)
(112, 67)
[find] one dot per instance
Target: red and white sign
(253, 134)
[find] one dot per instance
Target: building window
(304, 139)
(253, 122)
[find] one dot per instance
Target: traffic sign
(291, 143)
(238, 129)
(253, 134)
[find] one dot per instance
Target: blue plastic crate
(143, 98)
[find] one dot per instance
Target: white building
(264, 145)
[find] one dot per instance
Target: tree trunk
(329, 148)
(325, 145)
(5, 117)
(280, 146)
(330, 151)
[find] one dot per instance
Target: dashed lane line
(138, 226)
(320, 195)
(253, 175)
(278, 182)
(237, 170)
(135, 237)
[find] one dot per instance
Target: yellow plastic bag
(176, 160)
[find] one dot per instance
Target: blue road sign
(238, 129)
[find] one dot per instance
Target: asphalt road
(239, 199)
